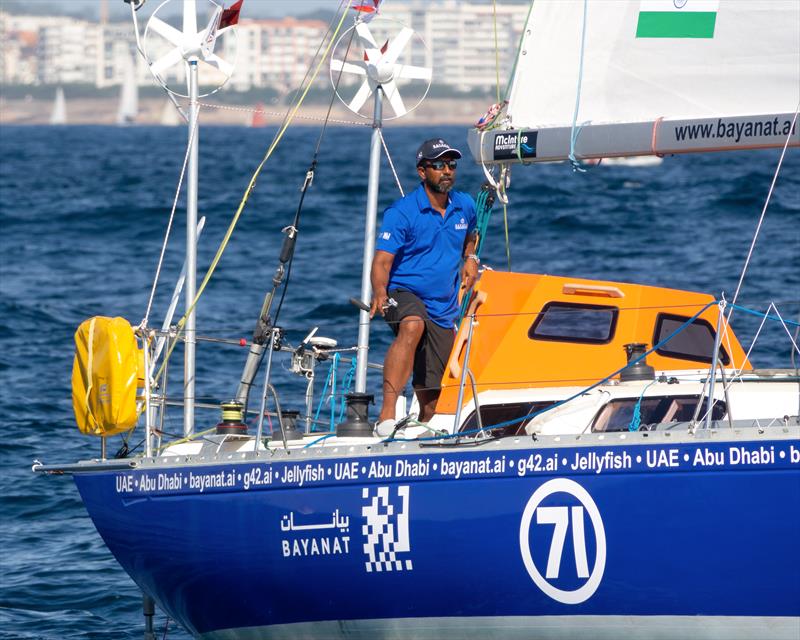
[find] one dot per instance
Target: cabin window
(617, 414)
(695, 342)
(563, 322)
(492, 414)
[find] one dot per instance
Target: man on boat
(421, 245)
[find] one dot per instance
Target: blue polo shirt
(427, 249)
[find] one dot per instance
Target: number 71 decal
(565, 518)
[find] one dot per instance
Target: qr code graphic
(386, 529)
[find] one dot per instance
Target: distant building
(275, 53)
(460, 39)
(68, 52)
(117, 46)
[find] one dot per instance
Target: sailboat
(641, 481)
(59, 112)
(170, 117)
(259, 119)
(129, 94)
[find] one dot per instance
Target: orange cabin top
(545, 331)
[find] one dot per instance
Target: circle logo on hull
(555, 520)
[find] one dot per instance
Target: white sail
(656, 76)
(129, 94)
(59, 113)
(169, 115)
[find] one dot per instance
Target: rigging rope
(636, 418)
(496, 50)
(576, 166)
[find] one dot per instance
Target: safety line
(279, 114)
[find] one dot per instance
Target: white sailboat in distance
(129, 94)
(59, 113)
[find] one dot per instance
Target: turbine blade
(397, 45)
(210, 33)
(189, 17)
(166, 31)
(409, 72)
(166, 61)
(361, 97)
(390, 89)
(365, 36)
(348, 67)
(215, 61)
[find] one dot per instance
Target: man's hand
(469, 274)
(379, 303)
(379, 278)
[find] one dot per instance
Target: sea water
(83, 213)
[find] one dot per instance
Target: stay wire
(763, 214)
(312, 168)
(306, 185)
(160, 264)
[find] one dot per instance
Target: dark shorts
(435, 345)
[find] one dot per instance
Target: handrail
(573, 288)
(452, 364)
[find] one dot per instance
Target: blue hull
(386, 542)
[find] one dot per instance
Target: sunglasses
(438, 165)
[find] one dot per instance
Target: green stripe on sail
(676, 24)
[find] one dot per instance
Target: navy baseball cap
(435, 148)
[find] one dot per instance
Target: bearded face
(439, 175)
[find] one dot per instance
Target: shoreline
(103, 111)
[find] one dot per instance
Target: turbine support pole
(369, 242)
(190, 286)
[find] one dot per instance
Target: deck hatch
(695, 342)
(574, 322)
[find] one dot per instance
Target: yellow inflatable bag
(105, 376)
